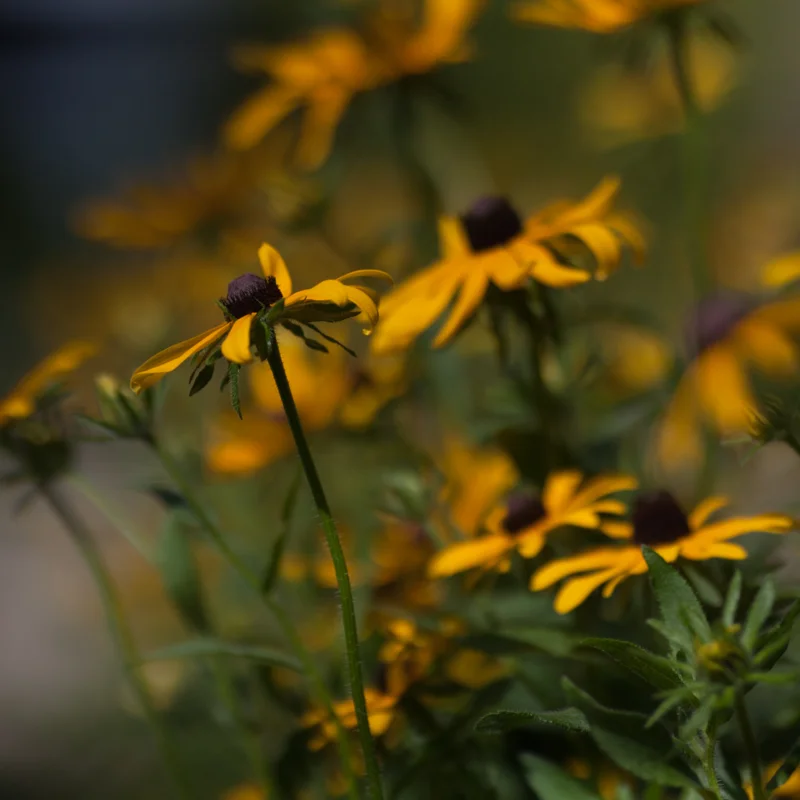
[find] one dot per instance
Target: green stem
(710, 760)
(285, 623)
(339, 565)
(751, 747)
(121, 633)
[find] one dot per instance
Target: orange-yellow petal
(453, 242)
(724, 389)
(258, 115)
(705, 508)
(559, 489)
(273, 266)
(156, 367)
(767, 346)
(319, 127)
(782, 270)
(236, 347)
(472, 292)
(483, 551)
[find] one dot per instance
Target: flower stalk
(339, 564)
(121, 633)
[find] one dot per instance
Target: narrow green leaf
(176, 563)
(550, 782)
(678, 603)
(776, 678)
(732, 600)
(702, 586)
(790, 764)
(205, 648)
(652, 668)
(233, 377)
(758, 613)
(772, 644)
(569, 719)
(202, 380)
(673, 701)
(330, 339)
(273, 565)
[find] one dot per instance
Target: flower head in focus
(658, 521)
(727, 333)
(490, 245)
(323, 73)
(522, 523)
(597, 16)
(255, 303)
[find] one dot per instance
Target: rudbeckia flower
(658, 521)
(728, 333)
(323, 73)
(597, 16)
(491, 246)
(253, 298)
(21, 401)
(524, 521)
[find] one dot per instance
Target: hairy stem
(340, 567)
(710, 760)
(121, 633)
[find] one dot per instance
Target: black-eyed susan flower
(658, 521)
(597, 16)
(22, 400)
(490, 245)
(324, 72)
(522, 523)
(267, 298)
(728, 333)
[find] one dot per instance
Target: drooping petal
(377, 274)
(236, 347)
(679, 437)
(602, 485)
(705, 508)
(544, 268)
(259, 115)
(576, 590)
(729, 528)
(273, 266)
(599, 558)
(479, 552)
(453, 242)
(700, 552)
(319, 126)
(156, 367)
(767, 346)
(724, 389)
(559, 489)
(782, 270)
(530, 544)
(503, 268)
(472, 292)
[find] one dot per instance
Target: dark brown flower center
(249, 293)
(658, 519)
(522, 511)
(714, 318)
(491, 222)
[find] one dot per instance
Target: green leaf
(652, 668)
(233, 377)
(569, 719)
(681, 611)
(273, 565)
(790, 764)
(550, 782)
(175, 561)
(202, 380)
(209, 648)
(772, 644)
(702, 586)
(758, 613)
(330, 338)
(732, 600)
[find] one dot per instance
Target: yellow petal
(530, 544)
(617, 530)
(576, 590)
(679, 437)
(726, 550)
(480, 552)
(544, 268)
(767, 346)
(724, 389)
(783, 270)
(236, 347)
(559, 489)
(273, 266)
(600, 558)
(603, 244)
(729, 528)
(377, 274)
(705, 509)
(259, 115)
(472, 292)
(453, 242)
(503, 267)
(319, 127)
(602, 485)
(156, 367)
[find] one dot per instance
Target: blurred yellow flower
(621, 104)
(657, 520)
(325, 389)
(597, 16)
(782, 271)
(246, 791)
(407, 654)
(790, 789)
(249, 296)
(491, 246)
(324, 72)
(524, 521)
(728, 332)
(21, 401)
(607, 778)
(208, 197)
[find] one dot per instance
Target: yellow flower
(523, 523)
(324, 72)
(407, 654)
(325, 390)
(380, 710)
(659, 522)
(728, 333)
(249, 296)
(790, 789)
(21, 401)
(623, 105)
(597, 16)
(208, 197)
(490, 245)
(606, 777)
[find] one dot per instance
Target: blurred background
(99, 96)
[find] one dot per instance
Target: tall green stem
(751, 748)
(339, 565)
(121, 633)
(710, 760)
(286, 625)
